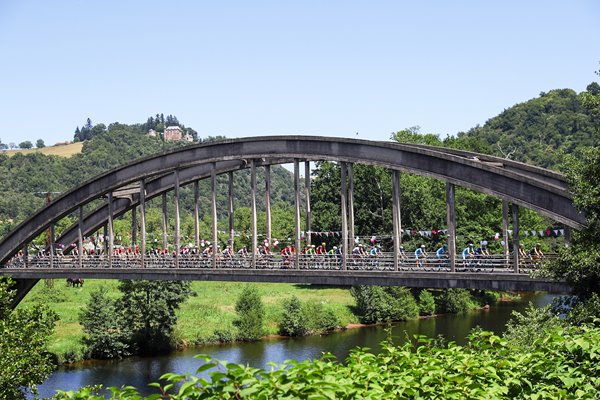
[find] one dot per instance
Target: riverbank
(211, 309)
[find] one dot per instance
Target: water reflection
(138, 371)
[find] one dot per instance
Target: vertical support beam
(26, 254)
(307, 198)
(177, 220)
(344, 203)
(505, 232)
(231, 212)
(516, 238)
(396, 216)
(134, 227)
(350, 241)
(253, 206)
(143, 220)
(164, 222)
(196, 216)
(105, 233)
(451, 222)
(297, 209)
(213, 194)
(51, 244)
(268, 203)
(80, 236)
(567, 230)
(111, 234)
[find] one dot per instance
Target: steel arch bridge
(128, 187)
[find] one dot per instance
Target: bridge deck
(493, 273)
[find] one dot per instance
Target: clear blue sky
(280, 67)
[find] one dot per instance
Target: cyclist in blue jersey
(442, 254)
(468, 254)
(421, 256)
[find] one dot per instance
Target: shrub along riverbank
(289, 309)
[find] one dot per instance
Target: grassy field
(63, 151)
(212, 308)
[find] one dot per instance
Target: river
(139, 371)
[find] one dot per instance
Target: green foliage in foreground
(24, 335)
(565, 363)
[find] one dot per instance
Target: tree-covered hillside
(27, 178)
(540, 131)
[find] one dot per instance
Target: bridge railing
(384, 261)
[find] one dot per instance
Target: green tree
(25, 145)
(24, 361)
(40, 144)
(250, 314)
(293, 322)
(426, 303)
(382, 304)
(105, 334)
(148, 310)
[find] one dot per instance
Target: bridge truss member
(421, 256)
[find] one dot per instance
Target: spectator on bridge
(421, 256)
(468, 254)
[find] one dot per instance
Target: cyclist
(482, 252)
(421, 256)
(442, 254)
(536, 253)
(468, 254)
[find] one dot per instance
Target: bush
(426, 303)
(524, 329)
(380, 304)
(456, 301)
(251, 314)
(293, 321)
(300, 319)
(223, 336)
(319, 319)
(105, 334)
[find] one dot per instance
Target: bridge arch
(532, 187)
